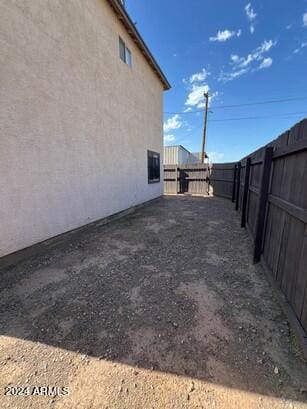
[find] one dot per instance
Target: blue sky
(243, 52)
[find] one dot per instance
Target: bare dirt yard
(161, 309)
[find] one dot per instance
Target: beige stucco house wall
(76, 122)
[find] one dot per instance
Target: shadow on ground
(169, 288)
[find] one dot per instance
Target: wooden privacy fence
(270, 191)
(221, 179)
(191, 179)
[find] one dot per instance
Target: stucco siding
(76, 122)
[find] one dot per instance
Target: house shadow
(137, 292)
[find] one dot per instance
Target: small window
(153, 159)
(125, 53)
(122, 50)
(128, 57)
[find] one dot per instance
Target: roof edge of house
(133, 32)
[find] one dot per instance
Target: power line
(284, 115)
(281, 116)
(272, 101)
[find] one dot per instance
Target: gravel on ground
(161, 309)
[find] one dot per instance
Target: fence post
(234, 184)
(245, 191)
(238, 185)
(262, 204)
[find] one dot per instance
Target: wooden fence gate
(189, 179)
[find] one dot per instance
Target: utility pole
(206, 95)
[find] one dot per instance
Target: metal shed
(178, 155)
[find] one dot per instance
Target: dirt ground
(161, 309)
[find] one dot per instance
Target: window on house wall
(128, 57)
(153, 160)
(122, 50)
(125, 53)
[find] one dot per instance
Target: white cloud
(289, 26)
(305, 19)
(172, 123)
(242, 65)
(266, 63)
(256, 55)
(266, 46)
(225, 35)
(199, 76)
(234, 58)
(244, 62)
(212, 95)
(197, 86)
(229, 76)
(297, 50)
(222, 35)
(251, 15)
(169, 138)
(196, 95)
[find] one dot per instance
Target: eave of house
(135, 35)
